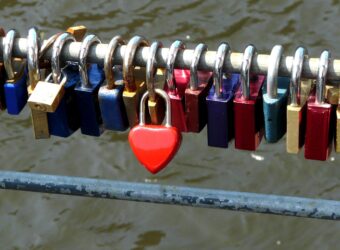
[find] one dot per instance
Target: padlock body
(156, 110)
(182, 79)
(40, 124)
(66, 120)
(337, 138)
(88, 104)
(274, 110)
(2, 87)
(131, 101)
(178, 118)
(318, 130)
(195, 104)
(296, 127)
(296, 118)
(220, 120)
(249, 116)
(112, 108)
(154, 145)
(16, 94)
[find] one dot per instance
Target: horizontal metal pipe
(232, 63)
(186, 196)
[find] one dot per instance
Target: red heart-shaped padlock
(154, 145)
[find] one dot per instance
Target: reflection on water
(41, 221)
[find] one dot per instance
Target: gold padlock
(46, 95)
(133, 89)
(296, 110)
(39, 118)
(337, 138)
(332, 94)
(156, 104)
(332, 97)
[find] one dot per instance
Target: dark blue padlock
(111, 95)
(275, 98)
(87, 91)
(15, 88)
(220, 103)
(65, 120)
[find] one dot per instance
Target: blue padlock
(87, 91)
(15, 88)
(275, 98)
(65, 120)
(111, 95)
(220, 103)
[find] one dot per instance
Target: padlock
(15, 87)
(2, 78)
(195, 95)
(248, 114)
(176, 95)
(155, 145)
(337, 138)
(47, 95)
(87, 91)
(133, 90)
(296, 110)
(319, 116)
(275, 98)
(156, 105)
(220, 102)
(182, 80)
(39, 118)
(332, 97)
(110, 95)
(65, 120)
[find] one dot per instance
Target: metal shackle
(8, 43)
(108, 60)
(170, 63)
(300, 55)
(221, 53)
(63, 78)
(84, 50)
(166, 98)
(200, 48)
(33, 44)
(322, 76)
(248, 55)
(56, 51)
(151, 69)
(129, 56)
(273, 69)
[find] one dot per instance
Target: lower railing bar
(175, 195)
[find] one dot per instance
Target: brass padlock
(332, 96)
(296, 110)
(337, 138)
(46, 95)
(39, 118)
(133, 89)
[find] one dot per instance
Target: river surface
(43, 221)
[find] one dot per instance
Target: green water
(41, 221)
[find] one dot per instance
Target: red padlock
(248, 106)
(176, 95)
(195, 104)
(155, 145)
(319, 117)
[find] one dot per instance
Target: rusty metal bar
(232, 63)
(174, 195)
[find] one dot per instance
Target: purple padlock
(220, 102)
